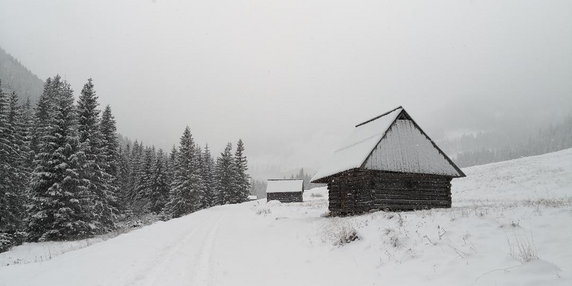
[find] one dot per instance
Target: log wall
(287, 197)
(360, 191)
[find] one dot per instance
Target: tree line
(65, 175)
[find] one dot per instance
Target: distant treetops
(64, 173)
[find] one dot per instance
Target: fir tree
(17, 159)
(13, 175)
(27, 126)
(44, 112)
(171, 163)
(159, 192)
(110, 143)
(208, 169)
(241, 178)
(59, 208)
(110, 156)
(185, 195)
(135, 173)
(144, 185)
(6, 218)
(95, 180)
(202, 192)
(225, 179)
(125, 173)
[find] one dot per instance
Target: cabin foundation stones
(388, 163)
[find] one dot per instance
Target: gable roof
(284, 186)
(381, 144)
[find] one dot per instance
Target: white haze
(292, 77)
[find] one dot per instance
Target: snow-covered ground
(510, 225)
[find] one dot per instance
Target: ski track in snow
(153, 272)
(203, 272)
(194, 249)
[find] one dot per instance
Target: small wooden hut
(284, 190)
(388, 163)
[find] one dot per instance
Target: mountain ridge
(18, 78)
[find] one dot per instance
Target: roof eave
(327, 179)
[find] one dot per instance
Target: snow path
(203, 274)
(173, 257)
(149, 256)
(176, 262)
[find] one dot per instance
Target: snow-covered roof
(405, 150)
(284, 186)
(357, 147)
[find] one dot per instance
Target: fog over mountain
(292, 78)
(16, 77)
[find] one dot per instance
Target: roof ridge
(379, 116)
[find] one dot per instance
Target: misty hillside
(501, 145)
(16, 77)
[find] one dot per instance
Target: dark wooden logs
(286, 197)
(362, 190)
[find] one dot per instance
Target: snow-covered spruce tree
(13, 174)
(197, 178)
(225, 182)
(159, 192)
(44, 110)
(135, 173)
(110, 144)
(171, 163)
(94, 179)
(241, 178)
(110, 154)
(17, 159)
(125, 173)
(27, 125)
(187, 187)
(208, 169)
(6, 219)
(200, 165)
(144, 185)
(4, 142)
(59, 208)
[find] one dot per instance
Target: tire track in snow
(203, 275)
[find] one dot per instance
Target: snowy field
(511, 224)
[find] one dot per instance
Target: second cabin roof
(284, 186)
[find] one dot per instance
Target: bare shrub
(522, 248)
(400, 220)
(393, 238)
(340, 232)
(395, 241)
(441, 232)
(263, 211)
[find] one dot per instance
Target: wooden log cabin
(388, 163)
(284, 190)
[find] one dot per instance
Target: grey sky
(293, 76)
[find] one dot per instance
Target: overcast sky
(292, 77)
